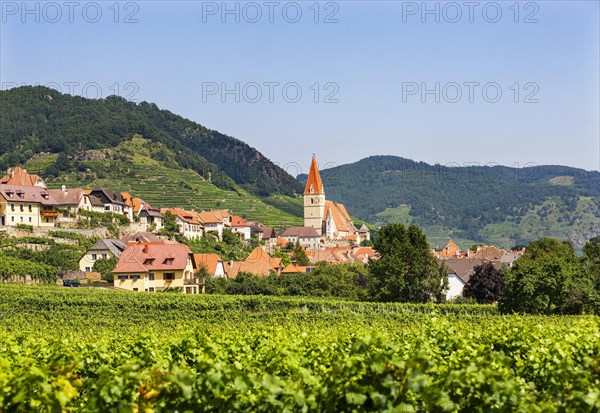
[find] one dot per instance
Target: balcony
(49, 214)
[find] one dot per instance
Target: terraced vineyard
(89, 350)
(165, 184)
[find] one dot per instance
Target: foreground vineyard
(82, 350)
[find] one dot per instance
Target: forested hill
(501, 205)
(38, 119)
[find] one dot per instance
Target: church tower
(314, 199)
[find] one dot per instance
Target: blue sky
(361, 69)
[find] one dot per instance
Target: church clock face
(317, 200)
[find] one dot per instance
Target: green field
(90, 350)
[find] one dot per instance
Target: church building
(331, 220)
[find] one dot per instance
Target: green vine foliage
(103, 351)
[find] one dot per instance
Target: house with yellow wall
(104, 248)
(26, 204)
(156, 266)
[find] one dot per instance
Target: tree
(407, 270)
(285, 257)
(105, 266)
(366, 243)
(591, 259)
(170, 226)
(300, 255)
(548, 278)
(485, 285)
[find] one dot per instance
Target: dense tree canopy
(485, 285)
(300, 255)
(105, 266)
(328, 280)
(464, 198)
(548, 279)
(40, 119)
(407, 270)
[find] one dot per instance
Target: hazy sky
(516, 83)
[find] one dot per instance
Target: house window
(107, 208)
(168, 261)
(148, 261)
(151, 276)
(169, 276)
(21, 219)
(135, 276)
(47, 220)
(135, 289)
(94, 257)
(150, 289)
(22, 207)
(12, 219)
(104, 255)
(12, 207)
(122, 277)
(29, 207)
(29, 219)
(88, 269)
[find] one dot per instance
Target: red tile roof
(208, 261)
(314, 180)
(19, 176)
(257, 263)
(70, 196)
(294, 269)
(237, 221)
(148, 257)
(336, 214)
(191, 217)
(27, 193)
(303, 232)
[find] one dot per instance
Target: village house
(459, 273)
(450, 250)
(112, 201)
(189, 222)
(69, 199)
(128, 200)
(155, 267)
(240, 226)
(258, 263)
(212, 264)
(150, 218)
(104, 248)
(92, 203)
(141, 237)
(308, 237)
(264, 233)
(27, 204)
(333, 255)
(20, 177)
(216, 221)
(364, 254)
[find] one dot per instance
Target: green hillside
(38, 119)
(134, 166)
(499, 205)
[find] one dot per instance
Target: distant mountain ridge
(41, 120)
(500, 205)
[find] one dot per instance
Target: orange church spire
(314, 185)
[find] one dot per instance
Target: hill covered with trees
(37, 120)
(488, 204)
